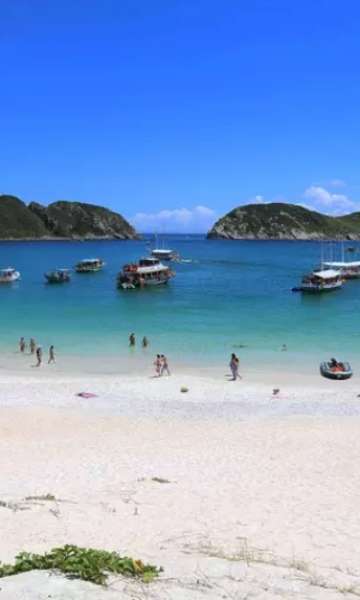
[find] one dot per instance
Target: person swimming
(145, 342)
(32, 346)
(51, 355)
(22, 345)
(132, 339)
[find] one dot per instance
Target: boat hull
(12, 279)
(326, 371)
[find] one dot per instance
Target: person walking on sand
(22, 345)
(164, 365)
(51, 355)
(32, 346)
(39, 356)
(145, 342)
(234, 367)
(157, 364)
(132, 340)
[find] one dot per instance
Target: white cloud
(335, 204)
(196, 220)
(337, 183)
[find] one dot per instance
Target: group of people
(161, 365)
(161, 362)
(132, 341)
(37, 350)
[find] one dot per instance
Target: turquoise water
(231, 293)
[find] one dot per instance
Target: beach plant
(87, 564)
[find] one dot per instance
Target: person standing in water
(51, 355)
(32, 346)
(157, 364)
(164, 365)
(145, 342)
(22, 345)
(234, 367)
(39, 356)
(132, 340)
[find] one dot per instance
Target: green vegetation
(81, 563)
(284, 221)
(72, 220)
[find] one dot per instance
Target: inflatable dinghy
(341, 371)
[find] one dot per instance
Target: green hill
(70, 220)
(284, 221)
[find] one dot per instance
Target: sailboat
(348, 269)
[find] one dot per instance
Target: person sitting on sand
(39, 356)
(51, 355)
(164, 365)
(145, 342)
(22, 345)
(234, 367)
(32, 346)
(157, 364)
(132, 340)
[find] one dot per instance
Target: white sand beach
(235, 492)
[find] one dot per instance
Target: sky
(173, 112)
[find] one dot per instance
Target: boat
(324, 280)
(336, 370)
(58, 276)
(9, 275)
(147, 272)
(348, 269)
(164, 254)
(89, 265)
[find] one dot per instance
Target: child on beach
(157, 364)
(234, 367)
(51, 355)
(164, 365)
(39, 356)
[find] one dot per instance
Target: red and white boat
(147, 272)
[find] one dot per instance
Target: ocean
(231, 296)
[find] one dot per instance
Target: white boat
(89, 265)
(325, 280)
(348, 269)
(164, 254)
(9, 275)
(147, 272)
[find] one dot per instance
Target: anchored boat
(325, 280)
(348, 269)
(147, 272)
(89, 265)
(9, 275)
(58, 276)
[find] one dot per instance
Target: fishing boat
(9, 275)
(58, 276)
(336, 370)
(89, 265)
(147, 272)
(348, 269)
(324, 280)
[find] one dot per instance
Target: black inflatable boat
(342, 370)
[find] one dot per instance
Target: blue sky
(173, 112)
